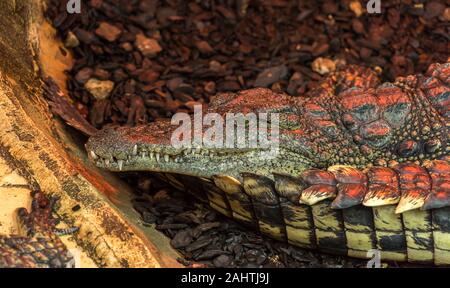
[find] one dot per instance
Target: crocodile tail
(401, 211)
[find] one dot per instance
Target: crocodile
(361, 166)
(37, 245)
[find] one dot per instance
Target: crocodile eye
(407, 148)
(431, 146)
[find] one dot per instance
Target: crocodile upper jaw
(135, 149)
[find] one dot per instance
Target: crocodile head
(151, 147)
(348, 119)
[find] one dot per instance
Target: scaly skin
(361, 165)
(38, 245)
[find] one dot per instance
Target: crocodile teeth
(135, 150)
(93, 155)
(107, 161)
(157, 157)
(152, 155)
(120, 163)
(166, 158)
(186, 152)
(143, 154)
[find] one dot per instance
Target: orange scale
(379, 128)
(347, 174)
(350, 102)
(388, 96)
(349, 195)
(315, 176)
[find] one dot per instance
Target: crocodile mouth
(147, 156)
(148, 148)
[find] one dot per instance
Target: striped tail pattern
(403, 210)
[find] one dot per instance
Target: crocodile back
(348, 122)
